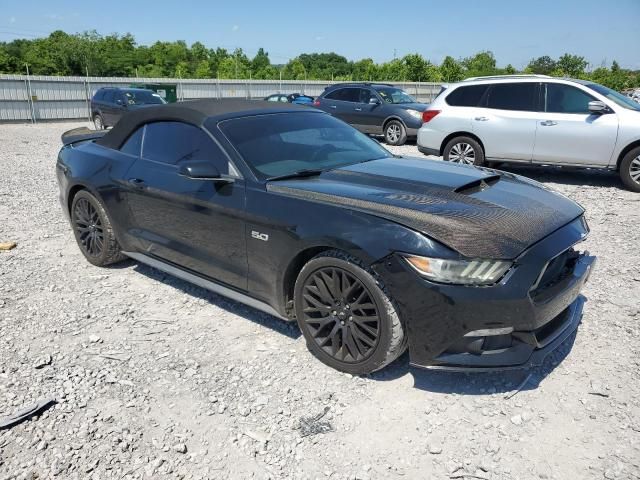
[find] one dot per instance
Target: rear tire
(630, 170)
(348, 319)
(395, 133)
(98, 122)
(464, 150)
(93, 231)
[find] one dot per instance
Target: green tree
(365, 70)
(260, 65)
(480, 65)
(542, 65)
(570, 66)
(450, 70)
(203, 69)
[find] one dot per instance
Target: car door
(194, 223)
(120, 105)
(366, 116)
(341, 103)
(506, 120)
(106, 107)
(568, 133)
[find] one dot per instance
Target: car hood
(480, 213)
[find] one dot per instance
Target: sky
(515, 31)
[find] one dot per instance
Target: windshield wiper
(298, 174)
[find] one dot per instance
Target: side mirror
(374, 101)
(597, 107)
(202, 170)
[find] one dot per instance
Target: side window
(108, 96)
(273, 98)
(176, 142)
(134, 143)
(366, 95)
(466, 96)
(98, 95)
(512, 96)
(336, 94)
(345, 95)
(567, 99)
(283, 98)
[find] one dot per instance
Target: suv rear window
(513, 96)
(345, 95)
(98, 95)
(466, 96)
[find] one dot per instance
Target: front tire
(98, 122)
(630, 170)
(395, 133)
(464, 150)
(348, 319)
(93, 231)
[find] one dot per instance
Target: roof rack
(498, 77)
(363, 83)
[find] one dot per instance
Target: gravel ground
(155, 378)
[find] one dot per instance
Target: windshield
(284, 143)
(614, 96)
(395, 95)
(143, 97)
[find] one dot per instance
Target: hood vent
(478, 185)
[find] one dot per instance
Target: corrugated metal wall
(36, 98)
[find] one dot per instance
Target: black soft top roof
(195, 112)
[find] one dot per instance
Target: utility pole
(88, 93)
(394, 53)
(30, 102)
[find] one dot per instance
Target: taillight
(429, 115)
(316, 103)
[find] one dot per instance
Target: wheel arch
(390, 118)
(451, 136)
(626, 150)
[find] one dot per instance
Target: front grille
(556, 271)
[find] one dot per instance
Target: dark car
(296, 98)
(375, 109)
(109, 104)
(295, 213)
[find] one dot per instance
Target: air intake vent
(478, 185)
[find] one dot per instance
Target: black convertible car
(294, 212)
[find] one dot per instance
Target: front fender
(284, 232)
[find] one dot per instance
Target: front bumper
(513, 324)
(528, 349)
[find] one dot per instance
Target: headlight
(462, 272)
(415, 114)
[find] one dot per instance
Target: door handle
(357, 109)
(548, 123)
(481, 119)
(137, 182)
(332, 106)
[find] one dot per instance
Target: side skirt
(204, 283)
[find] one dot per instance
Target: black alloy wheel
(89, 228)
(340, 314)
(346, 315)
(93, 231)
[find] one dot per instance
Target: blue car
(296, 98)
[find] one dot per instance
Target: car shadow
(567, 175)
(437, 381)
(290, 329)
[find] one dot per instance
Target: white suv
(535, 119)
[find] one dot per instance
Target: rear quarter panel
(99, 170)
